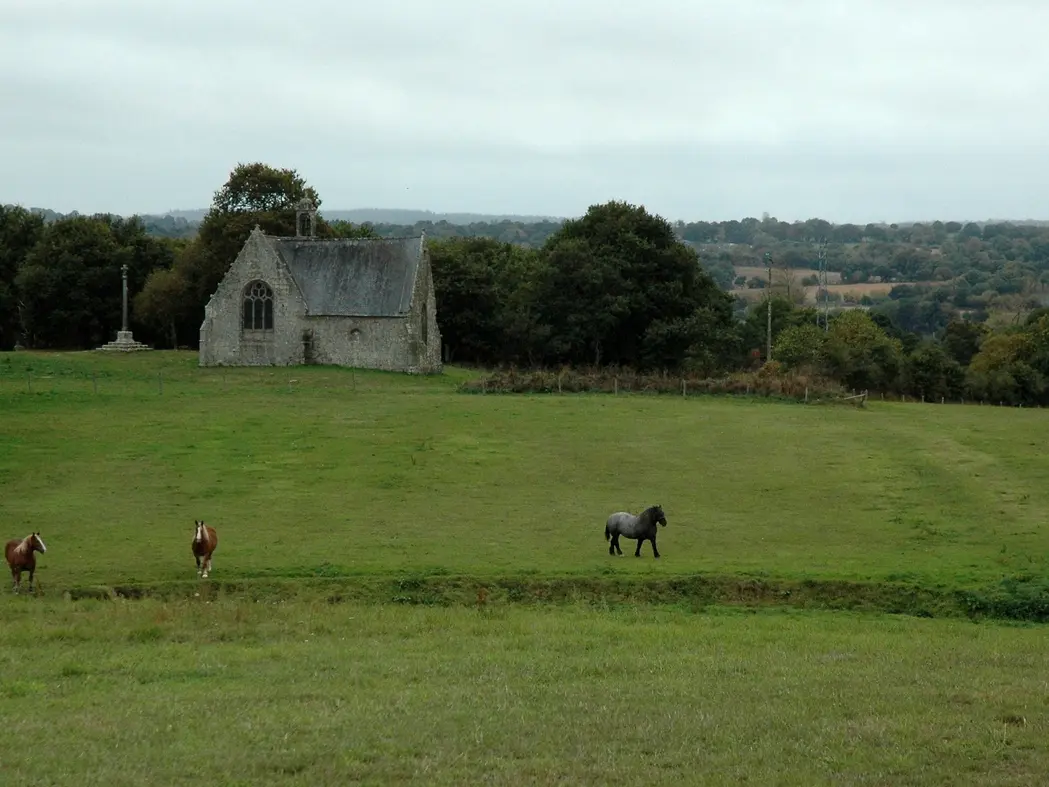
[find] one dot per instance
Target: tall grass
(412, 584)
(235, 692)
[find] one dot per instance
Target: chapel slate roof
(360, 277)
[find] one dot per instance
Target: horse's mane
(24, 544)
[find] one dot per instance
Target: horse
(205, 540)
(640, 527)
(20, 557)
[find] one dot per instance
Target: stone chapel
(367, 303)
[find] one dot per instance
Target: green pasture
(240, 693)
(412, 584)
(328, 473)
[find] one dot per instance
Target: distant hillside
(189, 215)
(396, 216)
(407, 218)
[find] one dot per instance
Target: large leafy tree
(520, 276)
(619, 287)
(259, 188)
(19, 231)
(583, 301)
(860, 353)
(161, 303)
(1002, 371)
(254, 194)
(961, 339)
(485, 296)
(800, 346)
(464, 280)
(931, 373)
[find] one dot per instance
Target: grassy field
(412, 584)
(324, 473)
(238, 693)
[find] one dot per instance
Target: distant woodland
(938, 309)
(920, 275)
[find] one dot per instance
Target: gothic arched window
(258, 307)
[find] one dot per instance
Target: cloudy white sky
(850, 110)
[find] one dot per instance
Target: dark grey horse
(640, 527)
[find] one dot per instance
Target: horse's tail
(608, 533)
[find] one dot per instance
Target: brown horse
(20, 557)
(205, 539)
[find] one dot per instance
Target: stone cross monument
(123, 322)
(125, 342)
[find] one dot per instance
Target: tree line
(999, 258)
(60, 281)
(938, 271)
(501, 305)
(617, 287)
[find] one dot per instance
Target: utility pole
(822, 306)
(768, 330)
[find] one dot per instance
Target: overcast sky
(849, 110)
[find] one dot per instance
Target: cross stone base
(125, 343)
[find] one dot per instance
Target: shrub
(771, 380)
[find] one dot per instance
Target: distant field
(833, 277)
(834, 284)
(857, 290)
(412, 584)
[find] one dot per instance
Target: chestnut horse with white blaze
(20, 557)
(205, 539)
